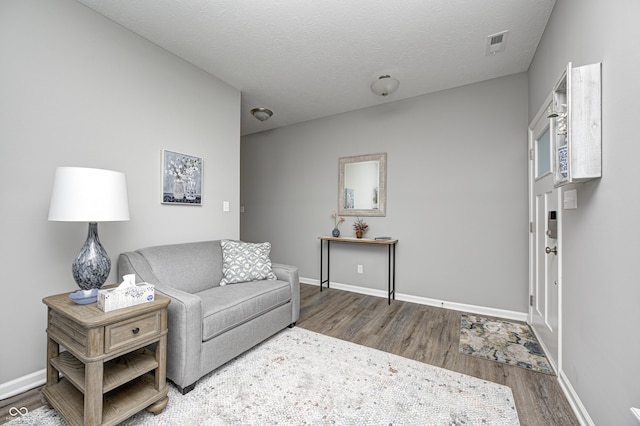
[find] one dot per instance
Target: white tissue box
(116, 298)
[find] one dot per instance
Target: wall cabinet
(576, 117)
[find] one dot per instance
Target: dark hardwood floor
(419, 332)
(430, 335)
(11, 408)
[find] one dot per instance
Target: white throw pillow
(242, 262)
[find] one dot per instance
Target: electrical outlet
(225, 206)
(360, 269)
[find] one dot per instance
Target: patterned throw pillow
(242, 262)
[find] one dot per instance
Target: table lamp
(89, 195)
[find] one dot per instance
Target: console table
(109, 373)
(391, 244)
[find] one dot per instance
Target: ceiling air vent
(496, 42)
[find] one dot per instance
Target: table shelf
(116, 372)
(117, 405)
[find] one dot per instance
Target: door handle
(553, 250)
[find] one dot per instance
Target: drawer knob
(136, 330)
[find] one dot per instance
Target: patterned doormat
(502, 341)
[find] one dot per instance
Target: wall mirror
(362, 185)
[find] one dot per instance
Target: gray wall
(78, 90)
(601, 241)
(457, 193)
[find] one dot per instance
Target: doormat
(502, 341)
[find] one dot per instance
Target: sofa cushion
(191, 267)
(242, 262)
(226, 307)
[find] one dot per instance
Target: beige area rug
(299, 377)
(502, 341)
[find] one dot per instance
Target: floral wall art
(181, 178)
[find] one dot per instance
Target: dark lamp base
(92, 265)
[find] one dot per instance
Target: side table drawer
(125, 333)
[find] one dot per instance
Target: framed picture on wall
(181, 178)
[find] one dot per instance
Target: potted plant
(360, 227)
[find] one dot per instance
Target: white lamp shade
(88, 195)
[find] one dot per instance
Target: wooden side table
(109, 373)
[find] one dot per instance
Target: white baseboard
(22, 384)
(473, 309)
(577, 406)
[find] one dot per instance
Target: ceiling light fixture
(384, 85)
(262, 114)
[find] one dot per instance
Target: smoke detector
(496, 42)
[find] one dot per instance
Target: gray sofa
(210, 324)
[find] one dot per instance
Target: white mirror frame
(382, 188)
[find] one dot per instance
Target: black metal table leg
(389, 277)
(322, 265)
(394, 272)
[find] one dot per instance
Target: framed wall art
(181, 178)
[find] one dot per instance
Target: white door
(544, 240)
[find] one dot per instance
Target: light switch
(225, 206)
(570, 201)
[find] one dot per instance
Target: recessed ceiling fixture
(262, 114)
(497, 42)
(384, 85)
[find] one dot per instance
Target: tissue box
(115, 298)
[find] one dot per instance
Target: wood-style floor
(423, 333)
(430, 335)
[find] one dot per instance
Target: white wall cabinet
(576, 117)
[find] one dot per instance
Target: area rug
(502, 341)
(299, 377)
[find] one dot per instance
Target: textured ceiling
(306, 59)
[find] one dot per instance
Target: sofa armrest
(184, 321)
(290, 274)
(184, 336)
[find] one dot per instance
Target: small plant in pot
(360, 227)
